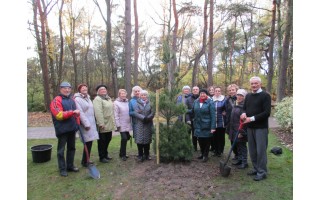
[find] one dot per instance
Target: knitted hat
(99, 86)
(204, 90)
(242, 92)
(80, 86)
(65, 84)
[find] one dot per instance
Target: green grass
(44, 181)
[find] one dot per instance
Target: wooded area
(203, 43)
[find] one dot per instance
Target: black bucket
(41, 153)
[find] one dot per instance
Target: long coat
(103, 111)
(84, 104)
(121, 115)
(237, 110)
(142, 132)
(204, 118)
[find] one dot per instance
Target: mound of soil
(39, 119)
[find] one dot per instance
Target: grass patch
(44, 181)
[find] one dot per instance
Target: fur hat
(99, 86)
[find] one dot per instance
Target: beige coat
(103, 111)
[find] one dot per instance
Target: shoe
(205, 159)
(123, 158)
(252, 172)
(104, 160)
(140, 158)
(260, 177)
(73, 169)
(242, 166)
(108, 158)
(147, 157)
(200, 157)
(127, 156)
(63, 173)
(87, 164)
(237, 162)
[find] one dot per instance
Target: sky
(13, 56)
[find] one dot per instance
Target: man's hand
(213, 130)
(189, 122)
(76, 112)
(243, 116)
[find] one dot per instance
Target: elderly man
(257, 108)
(190, 116)
(66, 121)
(182, 98)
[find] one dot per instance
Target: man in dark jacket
(65, 119)
(257, 108)
(190, 116)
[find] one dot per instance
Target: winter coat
(103, 111)
(237, 110)
(230, 102)
(204, 118)
(142, 131)
(84, 104)
(63, 119)
(121, 115)
(180, 100)
(189, 102)
(132, 103)
(220, 107)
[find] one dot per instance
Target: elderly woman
(143, 127)
(87, 120)
(230, 102)
(204, 122)
(220, 109)
(123, 121)
(241, 146)
(103, 110)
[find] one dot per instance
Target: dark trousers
(103, 144)
(84, 155)
(143, 149)
(234, 150)
(194, 138)
(204, 144)
(219, 140)
(242, 152)
(258, 144)
(68, 139)
(123, 145)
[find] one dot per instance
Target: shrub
(174, 139)
(284, 113)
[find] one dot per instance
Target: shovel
(224, 169)
(92, 169)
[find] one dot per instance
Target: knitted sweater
(259, 106)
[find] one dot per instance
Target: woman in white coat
(123, 121)
(87, 119)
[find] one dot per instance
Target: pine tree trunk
(136, 44)
(271, 46)
(285, 55)
(127, 45)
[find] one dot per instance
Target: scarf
(203, 100)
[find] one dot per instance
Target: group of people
(96, 120)
(242, 116)
(209, 113)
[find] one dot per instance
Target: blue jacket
(204, 118)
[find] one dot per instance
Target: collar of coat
(121, 100)
(220, 98)
(105, 97)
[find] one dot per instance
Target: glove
(145, 120)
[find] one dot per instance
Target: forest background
(14, 75)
